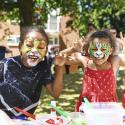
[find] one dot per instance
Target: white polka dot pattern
(100, 84)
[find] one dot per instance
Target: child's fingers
(83, 38)
(122, 38)
(121, 35)
(62, 54)
(78, 46)
(57, 53)
(70, 58)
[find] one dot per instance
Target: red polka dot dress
(98, 86)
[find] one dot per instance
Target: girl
(23, 77)
(100, 67)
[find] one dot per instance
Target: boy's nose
(34, 50)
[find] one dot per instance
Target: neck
(104, 66)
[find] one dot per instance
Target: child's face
(99, 50)
(33, 49)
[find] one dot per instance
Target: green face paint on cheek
(25, 49)
(41, 47)
(106, 49)
(92, 48)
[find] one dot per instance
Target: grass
(70, 93)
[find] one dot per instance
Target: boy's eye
(41, 47)
(29, 45)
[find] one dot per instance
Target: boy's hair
(27, 29)
(99, 34)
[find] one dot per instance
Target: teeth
(33, 57)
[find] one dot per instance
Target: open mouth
(99, 58)
(33, 57)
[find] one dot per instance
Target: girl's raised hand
(78, 45)
(122, 38)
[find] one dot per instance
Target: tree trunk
(26, 12)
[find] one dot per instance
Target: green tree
(22, 11)
(100, 13)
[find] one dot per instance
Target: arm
(77, 59)
(56, 87)
(117, 61)
(1, 71)
(122, 40)
(121, 61)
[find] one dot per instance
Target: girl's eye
(103, 49)
(94, 49)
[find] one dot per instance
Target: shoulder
(48, 60)
(11, 60)
(46, 63)
(115, 58)
(3, 47)
(115, 61)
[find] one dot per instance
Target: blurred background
(65, 21)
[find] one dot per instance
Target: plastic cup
(78, 118)
(104, 114)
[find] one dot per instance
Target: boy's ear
(19, 46)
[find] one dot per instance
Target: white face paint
(98, 53)
(33, 58)
(33, 50)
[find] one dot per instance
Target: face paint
(33, 50)
(99, 50)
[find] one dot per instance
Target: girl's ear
(88, 51)
(111, 51)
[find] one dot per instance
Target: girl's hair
(27, 29)
(100, 35)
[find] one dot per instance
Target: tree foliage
(100, 13)
(9, 10)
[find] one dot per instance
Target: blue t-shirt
(21, 86)
(2, 52)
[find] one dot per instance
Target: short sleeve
(1, 71)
